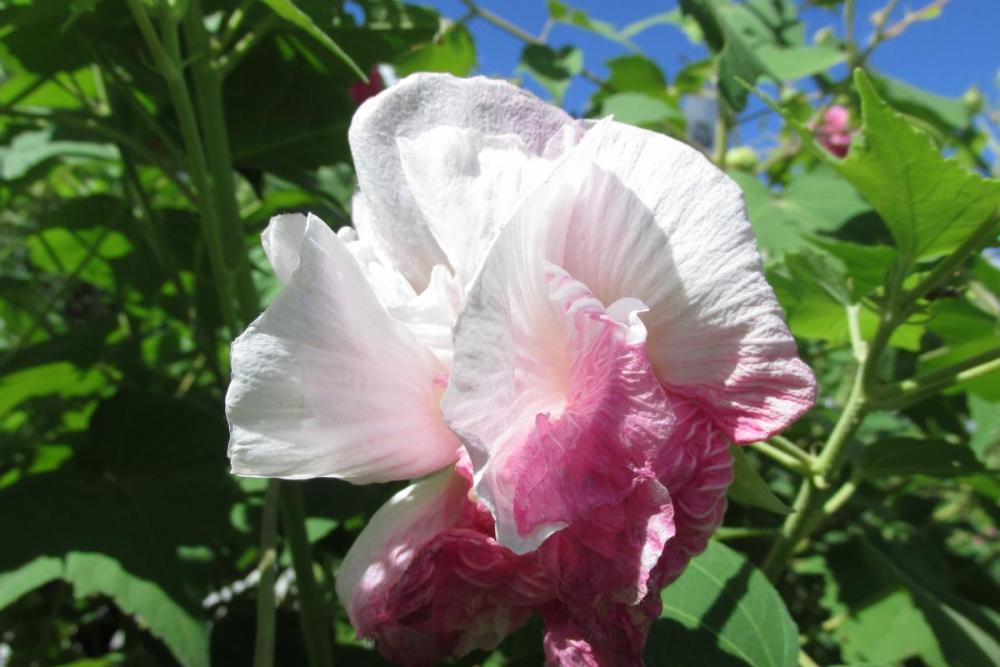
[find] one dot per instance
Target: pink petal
(609, 636)
(425, 580)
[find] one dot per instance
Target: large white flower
(581, 304)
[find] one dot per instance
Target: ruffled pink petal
(608, 636)
(425, 579)
(696, 467)
(595, 444)
(609, 555)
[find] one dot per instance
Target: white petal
(326, 383)
(415, 105)
(281, 240)
(431, 314)
(466, 185)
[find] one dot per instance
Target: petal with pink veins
(679, 240)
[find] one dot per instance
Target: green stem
(208, 86)
(263, 655)
(501, 23)
(738, 533)
(908, 392)
(789, 462)
(790, 448)
(168, 59)
(315, 622)
(792, 530)
(723, 125)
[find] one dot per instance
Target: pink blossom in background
(833, 131)
(361, 91)
(566, 319)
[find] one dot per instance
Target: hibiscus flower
(563, 323)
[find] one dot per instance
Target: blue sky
(946, 56)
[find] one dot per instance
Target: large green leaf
(790, 63)
(147, 486)
(722, 611)
(930, 203)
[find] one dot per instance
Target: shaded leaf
(722, 611)
(149, 482)
(911, 456)
(748, 487)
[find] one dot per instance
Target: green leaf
(985, 440)
(451, 51)
(58, 378)
(790, 63)
(739, 64)
(642, 110)
(635, 74)
(815, 287)
(287, 10)
(31, 149)
(912, 456)
(150, 478)
(554, 69)
(967, 633)
(31, 575)
(563, 13)
(722, 611)
(85, 253)
(948, 114)
(749, 489)
(888, 631)
(814, 201)
(930, 204)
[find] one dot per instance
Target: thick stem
(316, 628)
(263, 655)
(168, 59)
(208, 86)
